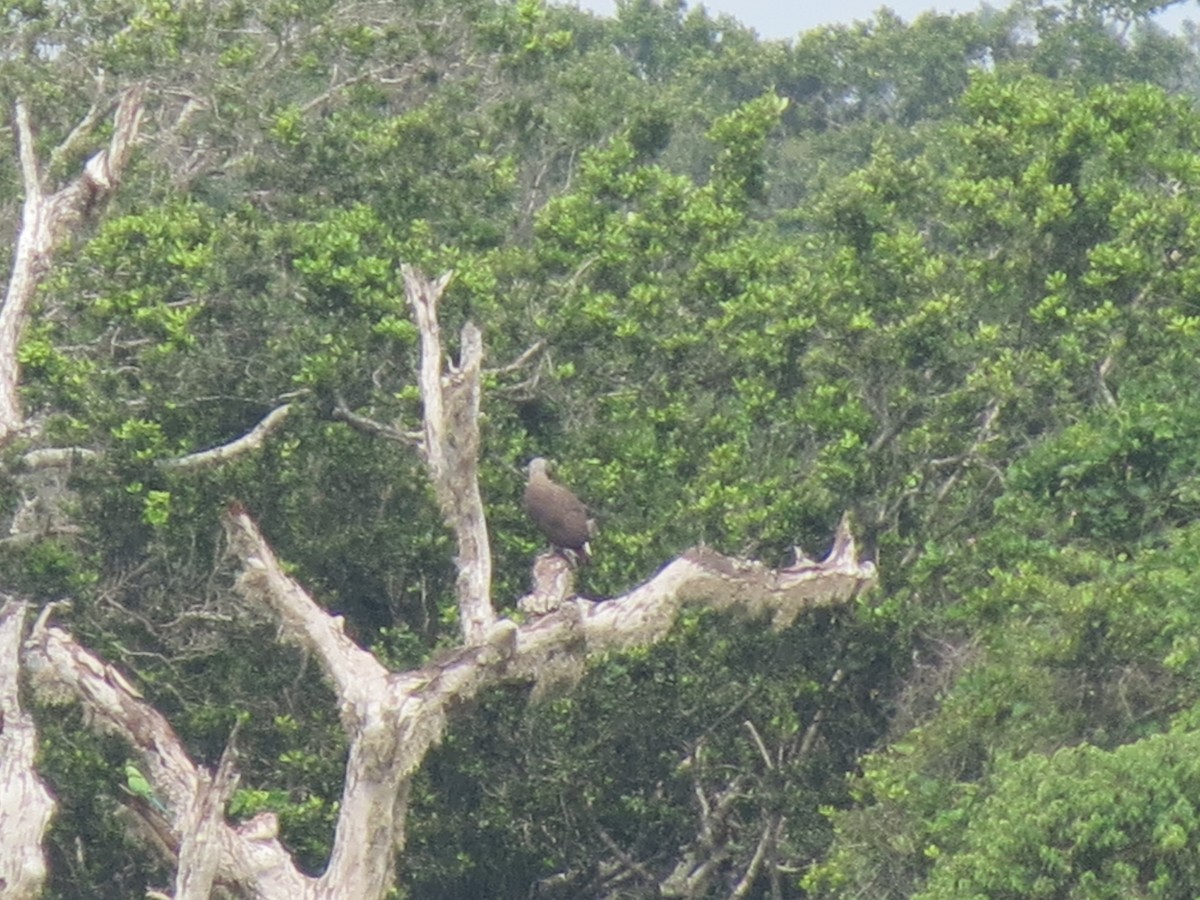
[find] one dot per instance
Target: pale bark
(378, 429)
(45, 221)
(200, 846)
(393, 720)
(25, 804)
(250, 857)
(553, 582)
(368, 829)
(252, 440)
(56, 457)
(451, 448)
(47, 498)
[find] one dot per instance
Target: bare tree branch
(370, 426)
(725, 583)
(44, 220)
(341, 86)
(691, 874)
(393, 720)
(25, 804)
(30, 176)
(758, 742)
(350, 670)
(451, 448)
(814, 727)
(624, 858)
(61, 670)
(520, 362)
(84, 127)
(376, 708)
(200, 847)
(56, 457)
(765, 842)
(248, 442)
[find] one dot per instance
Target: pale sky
(782, 19)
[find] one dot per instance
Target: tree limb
(349, 669)
(200, 846)
(370, 426)
(451, 448)
(60, 670)
(704, 577)
(84, 127)
(690, 876)
(631, 864)
(814, 727)
(394, 719)
(377, 711)
(758, 743)
(520, 362)
(765, 843)
(248, 442)
(56, 457)
(25, 804)
(44, 220)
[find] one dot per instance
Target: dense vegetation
(941, 274)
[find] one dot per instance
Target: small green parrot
(140, 787)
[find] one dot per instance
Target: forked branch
(451, 447)
(45, 220)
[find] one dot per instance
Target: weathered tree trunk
(25, 804)
(451, 448)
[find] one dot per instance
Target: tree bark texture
(25, 804)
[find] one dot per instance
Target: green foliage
(88, 843)
(304, 792)
(1083, 822)
(940, 274)
(627, 748)
(1062, 583)
(49, 569)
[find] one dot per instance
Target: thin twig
(343, 413)
(758, 742)
(520, 362)
(810, 734)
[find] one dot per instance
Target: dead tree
(46, 219)
(393, 719)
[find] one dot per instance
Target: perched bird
(557, 513)
(140, 787)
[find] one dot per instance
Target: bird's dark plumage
(557, 513)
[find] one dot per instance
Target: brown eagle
(557, 513)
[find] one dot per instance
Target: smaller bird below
(139, 786)
(557, 513)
